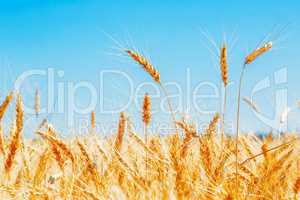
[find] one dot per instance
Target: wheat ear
(223, 65)
(5, 104)
(212, 127)
(121, 131)
(55, 150)
(93, 120)
(148, 67)
(296, 187)
(258, 52)
(60, 144)
(37, 105)
(146, 114)
(41, 168)
(16, 138)
(190, 133)
(90, 165)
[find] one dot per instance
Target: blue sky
(80, 38)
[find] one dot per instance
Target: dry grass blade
(251, 103)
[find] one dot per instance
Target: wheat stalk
(265, 150)
(2, 142)
(248, 60)
(146, 120)
(224, 74)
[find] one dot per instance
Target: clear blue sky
(75, 36)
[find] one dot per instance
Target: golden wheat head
(5, 104)
(121, 131)
(37, 105)
(258, 52)
(146, 109)
(148, 67)
(16, 138)
(213, 124)
(93, 120)
(223, 65)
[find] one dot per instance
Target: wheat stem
(238, 125)
(170, 107)
(223, 119)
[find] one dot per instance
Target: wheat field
(187, 164)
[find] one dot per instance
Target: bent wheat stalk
(248, 60)
(268, 150)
